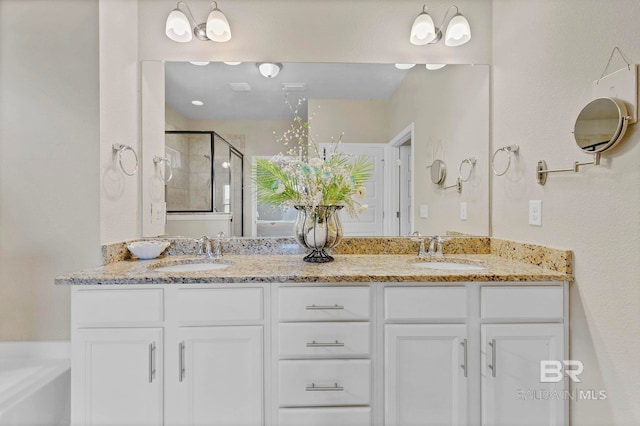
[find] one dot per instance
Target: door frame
(391, 224)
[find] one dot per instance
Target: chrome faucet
(217, 246)
(204, 247)
(437, 242)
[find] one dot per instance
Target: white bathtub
(34, 391)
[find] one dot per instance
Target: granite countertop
(283, 268)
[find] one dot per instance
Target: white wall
(450, 112)
(316, 31)
(546, 53)
(119, 119)
(49, 160)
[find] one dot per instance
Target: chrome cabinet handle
(181, 361)
(334, 388)
(315, 344)
(320, 307)
(492, 366)
(464, 359)
(152, 361)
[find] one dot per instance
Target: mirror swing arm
(598, 116)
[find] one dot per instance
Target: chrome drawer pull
(492, 366)
(334, 388)
(464, 362)
(152, 361)
(316, 307)
(315, 344)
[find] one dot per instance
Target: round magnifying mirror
(600, 125)
(438, 172)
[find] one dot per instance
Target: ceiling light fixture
(197, 103)
(405, 66)
(269, 69)
(181, 26)
(232, 63)
(199, 63)
(433, 67)
(424, 31)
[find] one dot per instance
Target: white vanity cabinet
(319, 354)
(322, 355)
(471, 354)
(175, 355)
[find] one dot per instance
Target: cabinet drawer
(121, 306)
(324, 383)
(522, 303)
(324, 339)
(220, 304)
(425, 303)
(324, 416)
(324, 303)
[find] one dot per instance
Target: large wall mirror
(404, 119)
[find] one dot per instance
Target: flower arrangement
(302, 177)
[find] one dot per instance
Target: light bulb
(423, 30)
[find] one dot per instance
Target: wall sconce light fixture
(181, 26)
(269, 69)
(424, 31)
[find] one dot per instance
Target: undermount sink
(192, 267)
(449, 266)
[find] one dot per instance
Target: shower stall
(207, 182)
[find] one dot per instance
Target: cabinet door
(117, 377)
(215, 376)
(425, 375)
(512, 393)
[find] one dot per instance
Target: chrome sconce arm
(542, 171)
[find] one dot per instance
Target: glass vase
(318, 229)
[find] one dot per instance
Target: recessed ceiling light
(433, 67)
(199, 63)
(197, 103)
(405, 66)
(233, 63)
(269, 69)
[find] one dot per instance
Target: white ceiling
(266, 101)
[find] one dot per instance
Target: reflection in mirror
(414, 116)
(438, 172)
(600, 125)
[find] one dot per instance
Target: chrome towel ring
(119, 149)
(471, 162)
(509, 150)
(164, 162)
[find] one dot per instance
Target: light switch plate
(463, 210)
(535, 212)
(158, 212)
(424, 211)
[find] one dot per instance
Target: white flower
(361, 191)
(362, 208)
(280, 189)
(316, 162)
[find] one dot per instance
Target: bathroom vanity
(365, 340)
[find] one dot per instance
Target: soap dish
(147, 249)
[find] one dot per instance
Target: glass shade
(433, 67)
(269, 69)
(423, 30)
(405, 66)
(218, 28)
(458, 31)
(178, 27)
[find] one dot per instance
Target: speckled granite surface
(291, 268)
(545, 257)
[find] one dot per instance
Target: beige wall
(450, 112)
(359, 120)
(49, 160)
(119, 119)
(546, 54)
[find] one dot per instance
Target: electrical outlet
(158, 212)
(535, 212)
(463, 210)
(424, 211)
